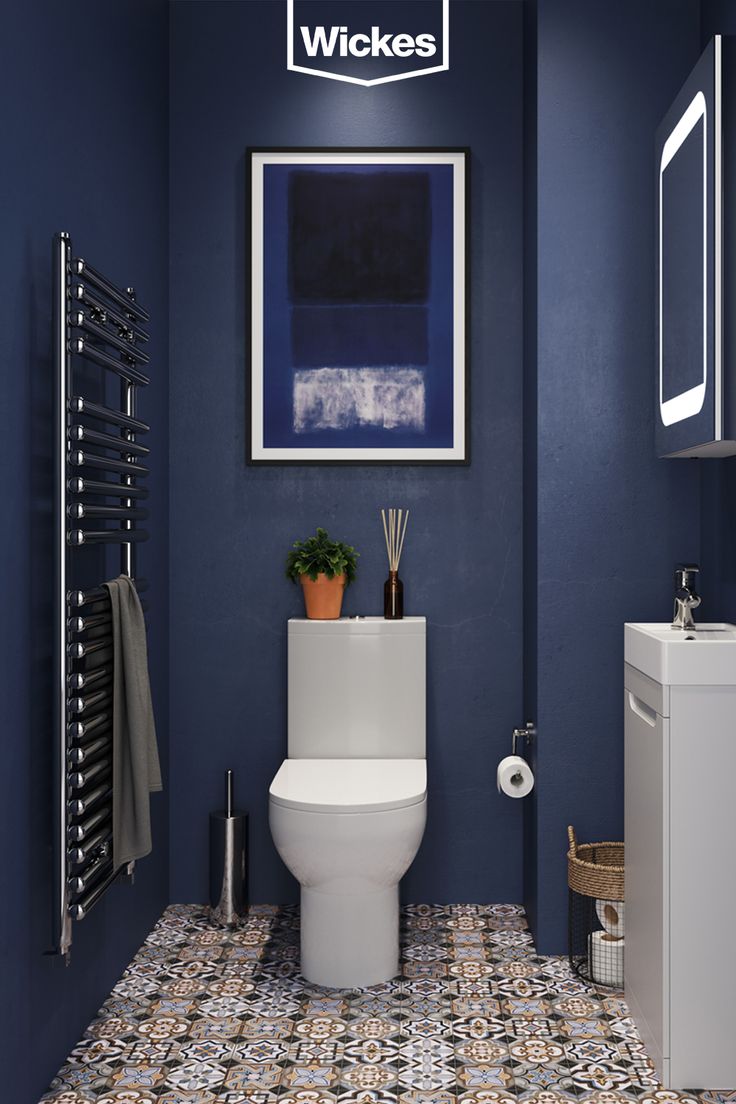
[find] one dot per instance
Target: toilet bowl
(348, 830)
(348, 806)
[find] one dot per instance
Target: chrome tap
(686, 597)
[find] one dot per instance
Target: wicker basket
(595, 919)
(595, 869)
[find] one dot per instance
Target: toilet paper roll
(612, 915)
(514, 776)
(606, 958)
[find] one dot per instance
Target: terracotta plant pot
(323, 596)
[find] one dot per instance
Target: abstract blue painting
(358, 306)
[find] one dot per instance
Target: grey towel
(135, 767)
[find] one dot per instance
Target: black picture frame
(258, 452)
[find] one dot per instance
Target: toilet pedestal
(350, 941)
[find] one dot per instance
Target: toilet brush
(228, 867)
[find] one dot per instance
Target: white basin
(705, 656)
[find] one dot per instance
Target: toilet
(348, 806)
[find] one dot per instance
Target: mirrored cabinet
(696, 251)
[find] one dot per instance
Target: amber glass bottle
(393, 597)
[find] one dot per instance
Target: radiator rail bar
(81, 754)
(79, 405)
(78, 832)
(81, 320)
(82, 459)
(106, 440)
(79, 598)
(88, 349)
(79, 485)
(80, 293)
(80, 267)
(82, 907)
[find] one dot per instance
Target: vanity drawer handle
(636, 705)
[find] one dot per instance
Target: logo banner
(368, 42)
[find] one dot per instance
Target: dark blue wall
(716, 17)
(611, 520)
(231, 525)
(83, 118)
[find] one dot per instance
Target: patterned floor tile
(428, 1078)
(601, 1075)
(578, 1007)
(543, 1080)
(427, 1027)
(585, 1029)
(180, 1096)
(310, 1075)
(537, 1051)
(519, 1027)
(525, 1008)
(481, 1051)
(206, 1015)
(138, 1075)
(609, 1096)
(367, 1096)
(417, 1096)
(546, 1096)
(251, 1075)
(375, 1076)
(486, 1096)
(306, 1096)
(222, 1029)
(85, 1081)
(372, 1050)
(592, 1050)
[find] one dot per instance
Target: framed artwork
(358, 306)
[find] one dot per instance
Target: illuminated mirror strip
(690, 402)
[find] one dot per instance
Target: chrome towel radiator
(98, 496)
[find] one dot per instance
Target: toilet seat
(349, 785)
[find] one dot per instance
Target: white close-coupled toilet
(349, 805)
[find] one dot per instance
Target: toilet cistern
(686, 597)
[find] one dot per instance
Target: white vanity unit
(680, 964)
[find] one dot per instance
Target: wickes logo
(376, 44)
(317, 49)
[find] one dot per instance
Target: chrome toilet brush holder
(228, 862)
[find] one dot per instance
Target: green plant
(319, 554)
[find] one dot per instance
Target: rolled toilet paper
(514, 776)
(612, 915)
(606, 958)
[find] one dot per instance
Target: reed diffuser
(394, 530)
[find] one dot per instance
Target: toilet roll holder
(528, 733)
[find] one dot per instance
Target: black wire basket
(596, 911)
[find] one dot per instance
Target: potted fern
(324, 568)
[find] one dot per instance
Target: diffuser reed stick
(394, 532)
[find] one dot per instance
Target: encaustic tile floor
(203, 1015)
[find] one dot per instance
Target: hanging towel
(135, 766)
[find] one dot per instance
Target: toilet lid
(349, 785)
